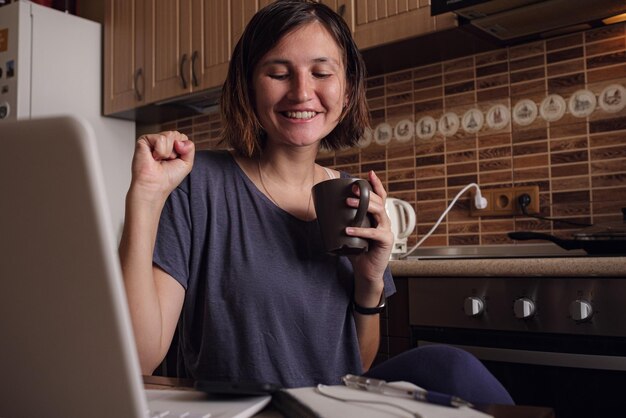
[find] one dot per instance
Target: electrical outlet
(504, 201)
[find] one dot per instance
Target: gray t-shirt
(263, 300)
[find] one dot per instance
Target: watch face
(582, 103)
(426, 127)
(552, 108)
(524, 112)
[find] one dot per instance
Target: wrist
(146, 196)
(370, 310)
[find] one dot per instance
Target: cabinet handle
(138, 94)
(183, 60)
(341, 10)
(194, 58)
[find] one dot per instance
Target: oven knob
(473, 306)
(4, 110)
(581, 310)
(524, 308)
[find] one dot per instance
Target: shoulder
(210, 167)
(210, 158)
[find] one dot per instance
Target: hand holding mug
(334, 215)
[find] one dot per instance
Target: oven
(551, 341)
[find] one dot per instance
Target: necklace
(267, 192)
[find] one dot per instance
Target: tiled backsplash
(578, 162)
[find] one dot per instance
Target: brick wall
(578, 162)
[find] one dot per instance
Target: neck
(288, 204)
(294, 168)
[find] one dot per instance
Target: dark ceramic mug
(334, 214)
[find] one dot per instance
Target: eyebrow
(282, 61)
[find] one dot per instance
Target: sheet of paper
(343, 402)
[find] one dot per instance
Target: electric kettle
(402, 216)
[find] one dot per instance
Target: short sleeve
(173, 242)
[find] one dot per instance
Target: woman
(232, 247)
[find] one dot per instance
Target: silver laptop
(66, 345)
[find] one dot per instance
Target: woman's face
(300, 87)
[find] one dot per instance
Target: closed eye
(279, 76)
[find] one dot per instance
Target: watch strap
(370, 311)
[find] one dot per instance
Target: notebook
(66, 344)
(340, 401)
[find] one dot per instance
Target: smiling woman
(238, 258)
(299, 93)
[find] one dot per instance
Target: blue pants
(445, 369)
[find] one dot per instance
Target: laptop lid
(66, 345)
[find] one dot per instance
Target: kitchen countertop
(511, 267)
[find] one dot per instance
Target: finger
(376, 207)
(165, 145)
(384, 237)
(185, 149)
(377, 185)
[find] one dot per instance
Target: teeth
(300, 115)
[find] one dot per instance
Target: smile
(300, 115)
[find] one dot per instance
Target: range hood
(510, 21)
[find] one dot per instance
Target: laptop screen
(66, 343)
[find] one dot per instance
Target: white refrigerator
(51, 64)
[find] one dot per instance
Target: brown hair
(242, 130)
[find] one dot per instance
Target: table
(498, 411)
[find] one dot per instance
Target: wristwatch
(370, 311)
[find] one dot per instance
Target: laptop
(66, 344)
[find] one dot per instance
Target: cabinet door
(378, 22)
(217, 27)
(211, 42)
(242, 11)
(168, 48)
(343, 8)
(124, 72)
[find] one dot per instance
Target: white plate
(366, 138)
(498, 117)
(613, 98)
(426, 127)
(473, 121)
(582, 103)
(449, 124)
(383, 133)
(404, 130)
(552, 108)
(525, 112)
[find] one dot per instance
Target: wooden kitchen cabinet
(395, 331)
(161, 49)
(157, 50)
(124, 72)
(168, 32)
(216, 29)
(379, 22)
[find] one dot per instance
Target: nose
(301, 88)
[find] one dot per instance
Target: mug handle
(364, 201)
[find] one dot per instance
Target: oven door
(546, 358)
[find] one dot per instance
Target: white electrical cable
(479, 201)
